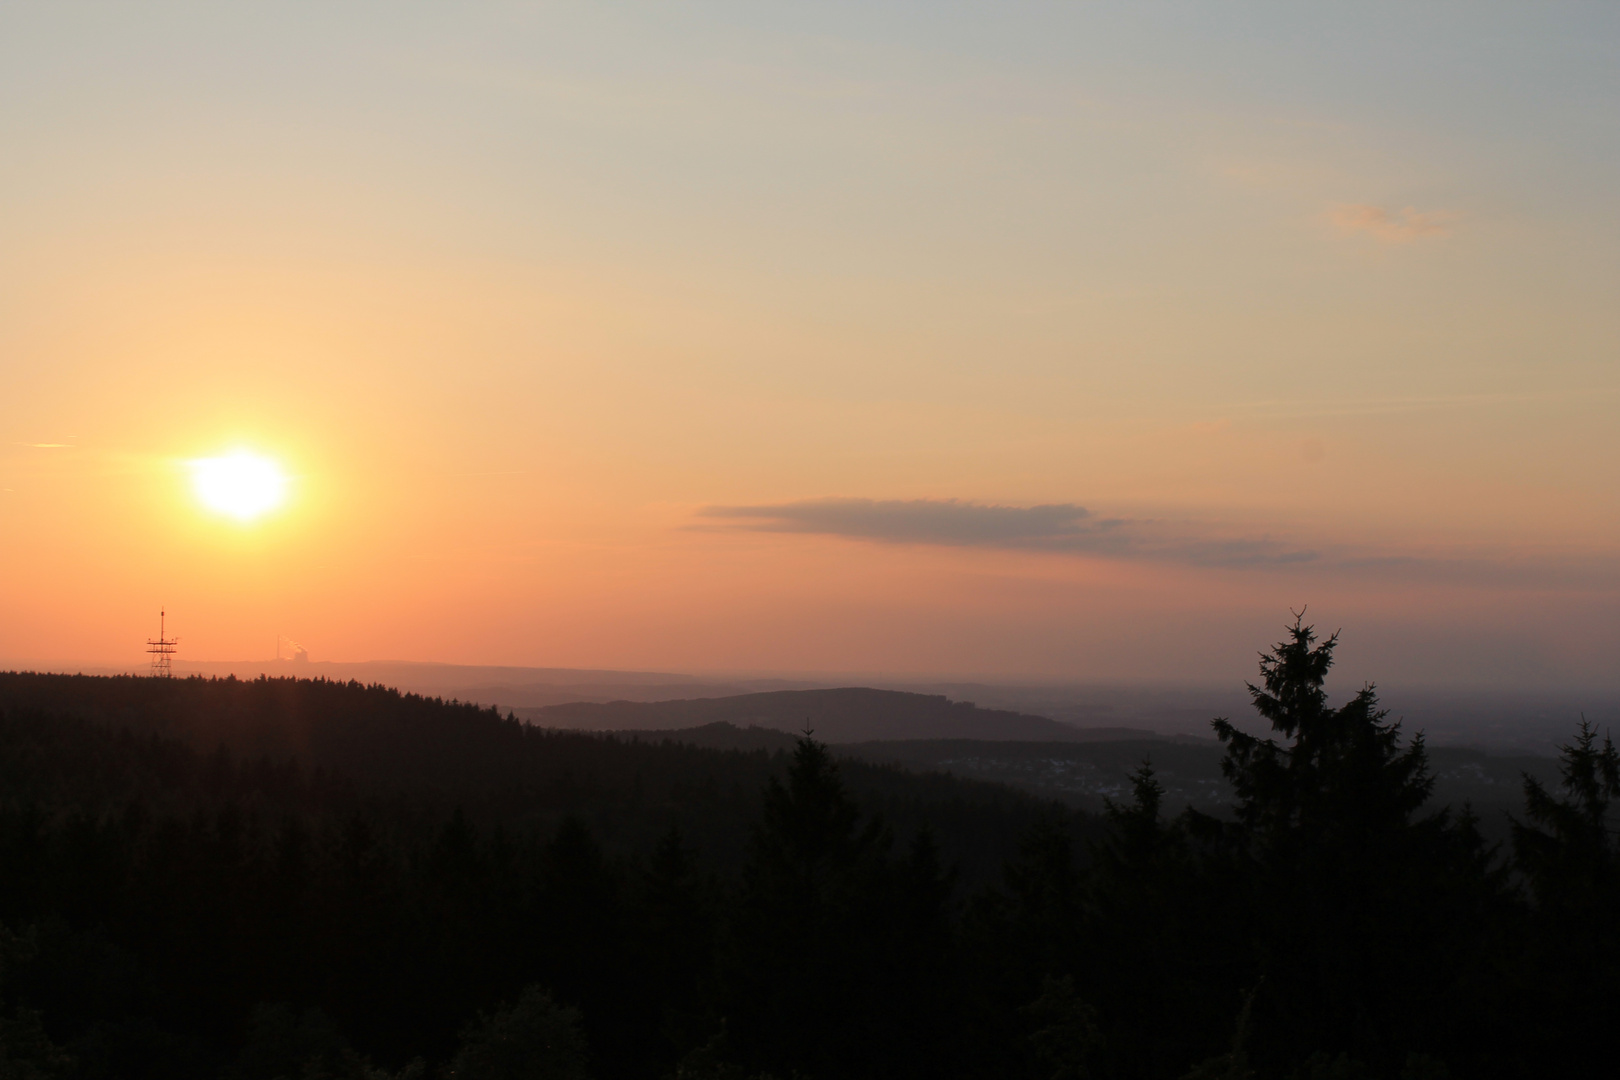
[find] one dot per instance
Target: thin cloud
(1401, 227)
(1055, 527)
(915, 521)
(47, 445)
(1068, 528)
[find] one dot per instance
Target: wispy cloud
(1057, 527)
(1398, 227)
(1070, 528)
(47, 445)
(917, 521)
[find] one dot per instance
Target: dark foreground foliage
(249, 881)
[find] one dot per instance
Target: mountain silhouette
(852, 714)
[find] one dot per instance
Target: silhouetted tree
(532, 1039)
(673, 923)
(1234, 1063)
(1570, 850)
(26, 1051)
(1149, 905)
(1569, 854)
(1365, 914)
(834, 961)
(795, 986)
(1065, 1036)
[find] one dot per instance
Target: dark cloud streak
(1069, 528)
(1056, 527)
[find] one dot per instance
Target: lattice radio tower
(162, 651)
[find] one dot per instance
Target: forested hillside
(850, 714)
(252, 880)
(1086, 774)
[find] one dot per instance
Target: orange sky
(717, 339)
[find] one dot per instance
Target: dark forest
(278, 878)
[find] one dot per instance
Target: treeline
(215, 877)
(181, 913)
(425, 758)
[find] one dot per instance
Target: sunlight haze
(1074, 341)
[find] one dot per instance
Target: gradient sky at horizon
(1073, 340)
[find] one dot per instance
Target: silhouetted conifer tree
(1065, 1036)
(1570, 851)
(1149, 953)
(1569, 854)
(1363, 914)
(673, 923)
(26, 1051)
(830, 949)
(795, 986)
(1024, 939)
(532, 1039)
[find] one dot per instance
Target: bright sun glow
(240, 484)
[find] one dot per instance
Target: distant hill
(718, 736)
(850, 714)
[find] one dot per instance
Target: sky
(1027, 340)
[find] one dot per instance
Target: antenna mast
(162, 651)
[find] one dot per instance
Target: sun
(241, 484)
